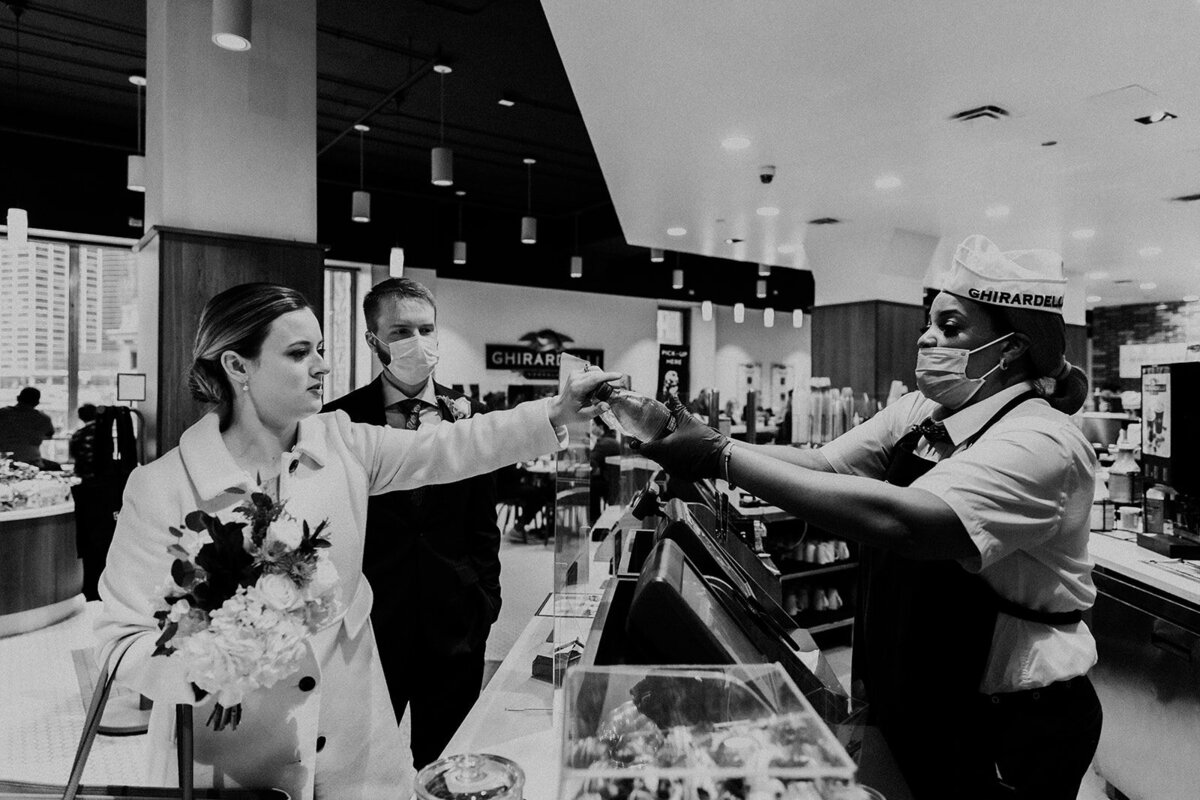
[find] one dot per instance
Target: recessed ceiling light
(734, 240)
(887, 182)
(1149, 252)
(529, 161)
(735, 143)
(1094, 298)
(676, 231)
(996, 212)
(362, 128)
(137, 80)
(1190, 298)
(504, 101)
(1096, 275)
(1148, 286)
(767, 211)
(442, 69)
(460, 192)
(1083, 233)
(786, 249)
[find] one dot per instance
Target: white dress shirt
(392, 394)
(1023, 492)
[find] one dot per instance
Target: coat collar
(213, 470)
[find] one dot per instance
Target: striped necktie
(933, 431)
(412, 412)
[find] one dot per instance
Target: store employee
(972, 501)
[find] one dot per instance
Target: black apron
(922, 638)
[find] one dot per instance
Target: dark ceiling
(68, 119)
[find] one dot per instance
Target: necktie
(933, 431)
(412, 413)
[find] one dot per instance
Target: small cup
(1131, 518)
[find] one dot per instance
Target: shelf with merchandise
(25, 487)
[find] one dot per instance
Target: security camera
(766, 173)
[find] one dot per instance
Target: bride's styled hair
(237, 319)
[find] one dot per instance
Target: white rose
(179, 610)
(279, 592)
(462, 407)
(324, 578)
(285, 531)
(191, 541)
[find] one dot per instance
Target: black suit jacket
(431, 555)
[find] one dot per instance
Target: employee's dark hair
(29, 396)
(237, 319)
(399, 288)
(87, 412)
(1046, 356)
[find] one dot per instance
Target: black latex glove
(692, 451)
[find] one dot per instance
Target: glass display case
(741, 732)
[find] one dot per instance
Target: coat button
(320, 743)
(307, 683)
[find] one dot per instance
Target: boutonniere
(460, 407)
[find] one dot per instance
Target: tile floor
(42, 700)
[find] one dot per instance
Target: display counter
(42, 575)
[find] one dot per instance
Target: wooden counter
(42, 575)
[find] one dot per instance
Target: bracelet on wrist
(725, 456)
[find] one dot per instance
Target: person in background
(432, 554)
(604, 444)
(23, 429)
(328, 730)
(972, 500)
(90, 509)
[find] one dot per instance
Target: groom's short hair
(400, 289)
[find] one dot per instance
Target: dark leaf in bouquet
(161, 648)
(197, 521)
(235, 490)
(179, 552)
(320, 543)
(175, 532)
(183, 572)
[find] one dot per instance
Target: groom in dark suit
(431, 554)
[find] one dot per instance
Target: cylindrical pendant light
(231, 24)
(576, 266)
(460, 244)
(739, 313)
(706, 310)
(764, 270)
(656, 255)
(760, 289)
(135, 173)
(396, 262)
(135, 165)
(768, 318)
(529, 222)
(677, 279)
(360, 202)
(442, 173)
(528, 230)
(18, 226)
(798, 318)
(460, 252)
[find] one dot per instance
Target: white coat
(339, 697)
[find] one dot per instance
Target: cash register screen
(676, 618)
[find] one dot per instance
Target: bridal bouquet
(247, 589)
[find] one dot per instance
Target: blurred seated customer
(23, 428)
(604, 444)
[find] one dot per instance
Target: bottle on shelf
(637, 415)
(1125, 476)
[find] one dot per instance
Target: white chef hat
(1030, 280)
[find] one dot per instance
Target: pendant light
(739, 313)
(360, 203)
(798, 318)
(396, 262)
(677, 275)
(706, 309)
(460, 244)
(529, 222)
(576, 260)
(768, 318)
(231, 24)
(764, 270)
(760, 289)
(442, 156)
(135, 167)
(656, 255)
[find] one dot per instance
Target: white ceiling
(836, 93)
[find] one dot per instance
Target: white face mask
(411, 360)
(942, 373)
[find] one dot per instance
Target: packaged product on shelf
(1125, 476)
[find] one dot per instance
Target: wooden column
(866, 345)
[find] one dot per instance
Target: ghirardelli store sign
(537, 359)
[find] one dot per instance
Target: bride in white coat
(328, 731)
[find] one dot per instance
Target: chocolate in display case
(739, 732)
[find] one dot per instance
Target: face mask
(942, 373)
(412, 359)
